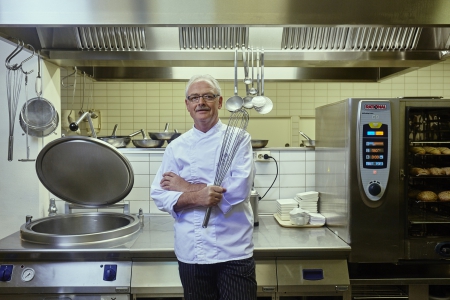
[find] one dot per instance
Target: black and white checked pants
(231, 280)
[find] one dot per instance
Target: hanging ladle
(253, 91)
(247, 99)
(235, 102)
(258, 101)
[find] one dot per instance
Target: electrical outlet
(259, 155)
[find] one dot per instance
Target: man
(215, 262)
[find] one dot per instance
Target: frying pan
(147, 143)
(166, 135)
(118, 141)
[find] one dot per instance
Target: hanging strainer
(38, 116)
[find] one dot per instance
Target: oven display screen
(375, 145)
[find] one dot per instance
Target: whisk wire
(237, 125)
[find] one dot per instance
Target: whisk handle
(10, 148)
(206, 219)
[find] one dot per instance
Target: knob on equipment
(110, 272)
(6, 272)
(374, 189)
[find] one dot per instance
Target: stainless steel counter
(155, 241)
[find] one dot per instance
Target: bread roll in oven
(427, 196)
(444, 150)
(432, 150)
(447, 170)
(437, 171)
(444, 196)
(417, 150)
(419, 171)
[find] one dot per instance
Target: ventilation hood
(157, 40)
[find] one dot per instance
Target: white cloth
(229, 236)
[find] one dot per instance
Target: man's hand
(207, 196)
(210, 195)
(173, 182)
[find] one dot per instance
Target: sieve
(38, 116)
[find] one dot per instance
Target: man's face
(203, 111)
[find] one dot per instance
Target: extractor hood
(157, 40)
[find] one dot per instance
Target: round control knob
(5, 274)
(374, 189)
(73, 126)
(109, 275)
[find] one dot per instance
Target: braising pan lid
(84, 171)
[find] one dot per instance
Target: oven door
(426, 178)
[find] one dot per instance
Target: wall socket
(259, 155)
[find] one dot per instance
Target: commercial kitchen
(359, 115)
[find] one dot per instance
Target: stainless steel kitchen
(347, 104)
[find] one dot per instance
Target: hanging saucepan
(38, 116)
(146, 142)
(118, 141)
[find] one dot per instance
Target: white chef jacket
(194, 156)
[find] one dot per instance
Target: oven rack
(420, 216)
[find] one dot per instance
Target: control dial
(110, 273)
(374, 189)
(6, 272)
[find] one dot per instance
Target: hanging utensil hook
(16, 51)
(38, 83)
(27, 59)
(67, 76)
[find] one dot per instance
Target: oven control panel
(374, 146)
(112, 277)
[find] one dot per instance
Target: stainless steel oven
(383, 173)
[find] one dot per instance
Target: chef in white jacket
(215, 262)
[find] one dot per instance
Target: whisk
(13, 84)
(232, 138)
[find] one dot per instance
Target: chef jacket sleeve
(165, 200)
(239, 178)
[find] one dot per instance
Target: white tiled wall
(295, 174)
(150, 105)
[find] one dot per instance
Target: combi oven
(383, 172)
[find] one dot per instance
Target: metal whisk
(233, 136)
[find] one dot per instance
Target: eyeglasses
(207, 97)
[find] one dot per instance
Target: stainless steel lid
(84, 171)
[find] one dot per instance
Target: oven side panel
(332, 160)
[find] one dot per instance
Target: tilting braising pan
(87, 172)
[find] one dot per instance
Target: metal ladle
(268, 105)
(247, 99)
(253, 91)
(235, 102)
(259, 100)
